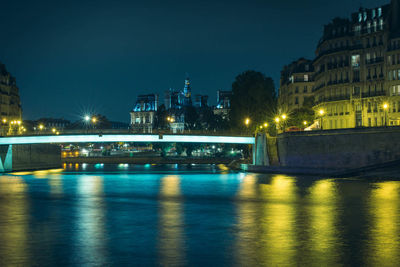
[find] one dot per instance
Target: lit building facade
(143, 114)
(10, 103)
(357, 70)
(223, 104)
(296, 84)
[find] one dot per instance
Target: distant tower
(187, 93)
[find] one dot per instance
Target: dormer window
(379, 12)
(365, 15)
(373, 13)
(359, 17)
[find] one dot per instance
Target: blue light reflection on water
(194, 215)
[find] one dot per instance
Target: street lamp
(41, 127)
(247, 121)
(321, 113)
(54, 130)
(386, 107)
(87, 118)
(305, 123)
(94, 120)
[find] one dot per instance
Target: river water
(118, 215)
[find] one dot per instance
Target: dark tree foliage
(101, 122)
(254, 96)
(305, 113)
(160, 120)
(191, 118)
(211, 122)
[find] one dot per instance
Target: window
(365, 15)
(305, 89)
(381, 24)
(297, 100)
(379, 12)
(355, 61)
(359, 17)
(357, 29)
(373, 13)
(306, 77)
(296, 91)
(375, 26)
(369, 122)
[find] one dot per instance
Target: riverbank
(148, 160)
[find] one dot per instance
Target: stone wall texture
(339, 149)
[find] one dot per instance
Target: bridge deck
(110, 138)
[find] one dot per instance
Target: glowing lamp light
(53, 130)
(41, 127)
(94, 120)
(19, 122)
(261, 127)
(277, 120)
(247, 121)
(385, 106)
(265, 125)
(87, 118)
(4, 120)
(321, 112)
(284, 116)
(305, 122)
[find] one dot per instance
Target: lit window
(379, 12)
(359, 17)
(373, 13)
(305, 77)
(365, 15)
(355, 61)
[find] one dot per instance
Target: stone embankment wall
(29, 157)
(334, 149)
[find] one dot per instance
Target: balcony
(373, 94)
(374, 60)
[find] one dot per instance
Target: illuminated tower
(187, 93)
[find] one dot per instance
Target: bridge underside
(110, 138)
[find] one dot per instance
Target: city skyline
(69, 57)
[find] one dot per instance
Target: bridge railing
(133, 132)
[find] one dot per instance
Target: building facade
(296, 84)
(355, 76)
(143, 114)
(10, 103)
(223, 104)
(357, 70)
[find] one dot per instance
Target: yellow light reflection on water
(15, 219)
(384, 232)
(322, 215)
(170, 224)
(90, 223)
(266, 214)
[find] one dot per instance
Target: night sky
(74, 57)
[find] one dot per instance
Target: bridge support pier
(29, 157)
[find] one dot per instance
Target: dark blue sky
(72, 57)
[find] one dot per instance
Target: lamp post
(321, 113)
(284, 117)
(247, 123)
(385, 108)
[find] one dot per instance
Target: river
(173, 215)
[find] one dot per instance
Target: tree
(254, 97)
(305, 113)
(191, 118)
(160, 120)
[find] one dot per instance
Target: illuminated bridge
(42, 151)
(109, 138)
